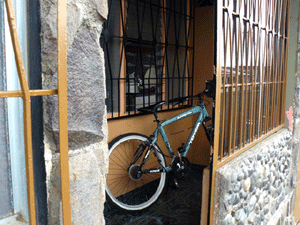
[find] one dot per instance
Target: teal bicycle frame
(160, 129)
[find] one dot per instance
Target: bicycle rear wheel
(124, 187)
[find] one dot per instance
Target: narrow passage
(181, 206)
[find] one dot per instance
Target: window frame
(15, 120)
(189, 67)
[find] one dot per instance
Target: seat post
(156, 117)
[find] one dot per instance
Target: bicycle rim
(123, 188)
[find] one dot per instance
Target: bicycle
(137, 168)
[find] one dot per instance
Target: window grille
(148, 46)
(253, 54)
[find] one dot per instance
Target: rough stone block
(86, 92)
(86, 189)
(87, 186)
(86, 109)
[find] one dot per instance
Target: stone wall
(86, 109)
(258, 185)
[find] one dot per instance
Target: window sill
(12, 220)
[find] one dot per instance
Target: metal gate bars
(251, 62)
(26, 94)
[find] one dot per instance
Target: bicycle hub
(135, 172)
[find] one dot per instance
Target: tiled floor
(181, 206)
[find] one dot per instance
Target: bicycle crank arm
(157, 170)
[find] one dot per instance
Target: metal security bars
(253, 71)
(148, 47)
(26, 95)
(251, 66)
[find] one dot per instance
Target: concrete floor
(181, 206)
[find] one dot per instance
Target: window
(148, 47)
(5, 178)
(6, 201)
(253, 54)
(13, 185)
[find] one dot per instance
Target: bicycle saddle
(179, 100)
(151, 108)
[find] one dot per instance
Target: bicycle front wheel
(125, 187)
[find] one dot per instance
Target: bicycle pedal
(176, 182)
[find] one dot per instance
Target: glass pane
(6, 202)
(6, 205)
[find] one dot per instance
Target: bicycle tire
(122, 189)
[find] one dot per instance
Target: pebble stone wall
(251, 187)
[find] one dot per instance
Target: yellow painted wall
(144, 124)
(204, 32)
(199, 151)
